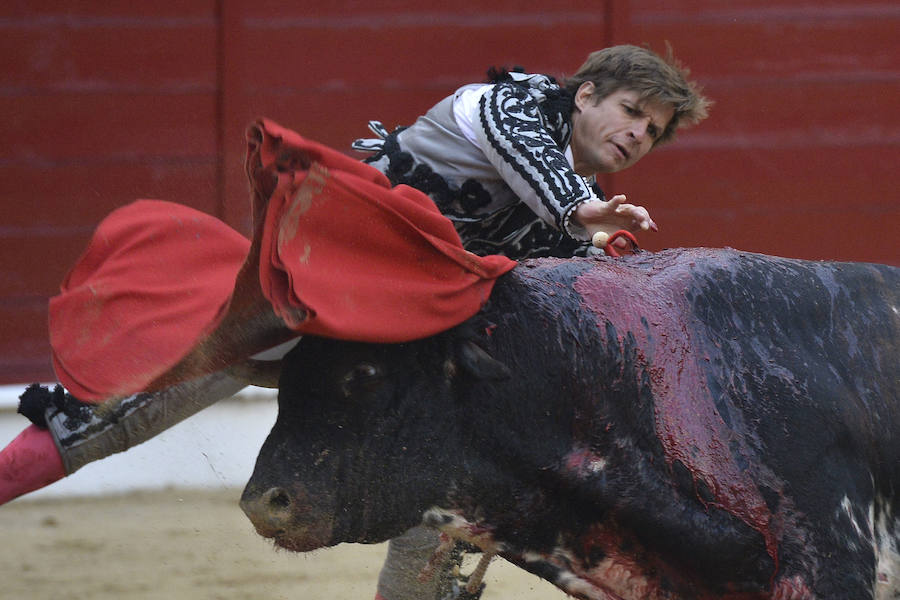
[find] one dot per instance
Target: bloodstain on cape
(165, 292)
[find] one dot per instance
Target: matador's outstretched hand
(609, 217)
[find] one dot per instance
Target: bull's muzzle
(270, 512)
(279, 514)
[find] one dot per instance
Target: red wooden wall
(103, 102)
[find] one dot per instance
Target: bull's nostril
(277, 498)
(270, 512)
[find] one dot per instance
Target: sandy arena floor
(180, 545)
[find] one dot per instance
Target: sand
(186, 544)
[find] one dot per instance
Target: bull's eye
(362, 378)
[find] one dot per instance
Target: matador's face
(616, 132)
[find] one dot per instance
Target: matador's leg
(67, 434)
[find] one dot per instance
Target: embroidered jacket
(498, 169)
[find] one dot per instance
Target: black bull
(686, 424)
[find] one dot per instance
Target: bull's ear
(477, 362)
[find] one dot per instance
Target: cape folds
(340, 254)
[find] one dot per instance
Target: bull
(692, 423)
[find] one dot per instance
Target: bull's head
(338, 466)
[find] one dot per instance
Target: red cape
(340, 254)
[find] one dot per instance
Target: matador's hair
(660, 78)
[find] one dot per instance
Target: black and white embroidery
(514, 128)
(555, 103)
(520, 188)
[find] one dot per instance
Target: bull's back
(817, 333)
(774, 377)
(796, 357)
(810, 347)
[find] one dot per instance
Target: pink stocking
(29, 462)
